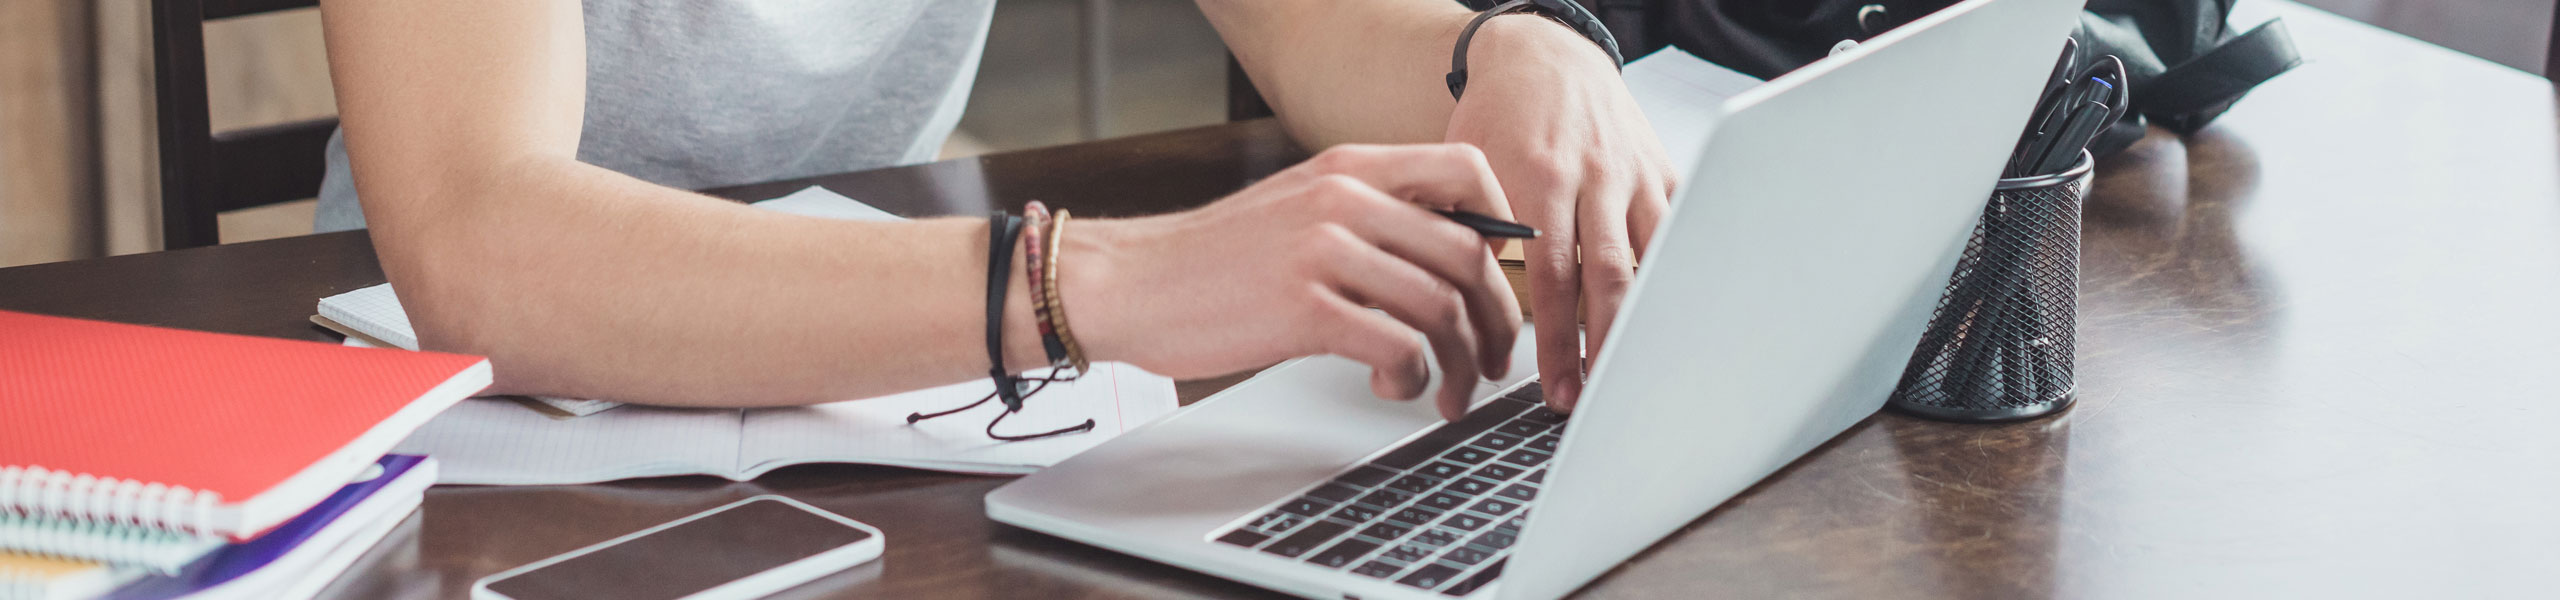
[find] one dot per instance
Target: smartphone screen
(746, 539)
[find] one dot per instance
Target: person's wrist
(1508, 41)
(1090, 256)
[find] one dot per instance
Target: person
(522, 164)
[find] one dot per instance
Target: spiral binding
(28, 577)
(112, 543)
(32, 492)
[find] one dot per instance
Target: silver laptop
(1791, 281)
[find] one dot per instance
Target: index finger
(1442, 176)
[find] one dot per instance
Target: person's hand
(1288, 266)
(1580, 163)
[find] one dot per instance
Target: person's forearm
(1341, 71)
(462, 122)
(578, 281)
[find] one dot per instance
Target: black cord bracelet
(1567, 12)
(1001, 231)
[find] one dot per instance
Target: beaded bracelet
(1036, 227)
(1058, 309)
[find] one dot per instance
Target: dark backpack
(2184, 63)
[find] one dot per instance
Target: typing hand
(1288, 266)
(1580, 163)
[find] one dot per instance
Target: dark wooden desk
(2319, 357)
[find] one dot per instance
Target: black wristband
(1566, 11)
(1001, 231)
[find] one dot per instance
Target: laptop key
(1386, 531)
(1313, 535)
(1466, 555)
(1415, 516)
(1538, 477)
(1496, 539)
(1497, 471)
(1498, 441)
(1478, 580)
(1409, 553)
(1342, 554)
(1519, 492)
(1385, 498)
(1414, 483)
(1365, 476)
(1449, 435)
(1468, 521)
(1334, 493)
(1429, 577)
(1306, 506)
(1276, 522)
(1526, 457)
(1243, 537)
(1522, 428)
(1356, 513)
(1542, 415)
(1436, 538)
(1443, 470)
(1469, 455)
(1378, 569)
(1492, 506)
(1412, 453)
(1443, 501)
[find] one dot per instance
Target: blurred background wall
(77, 141)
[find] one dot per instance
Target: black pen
(1490, 227)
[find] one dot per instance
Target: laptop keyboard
(1438, 513)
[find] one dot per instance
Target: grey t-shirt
(706, 93)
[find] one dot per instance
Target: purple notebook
(233, 561)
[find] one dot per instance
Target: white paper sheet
(496, 442)
(817, 201)
(1683, 95)
(1116, 397)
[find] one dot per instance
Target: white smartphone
(745, 549)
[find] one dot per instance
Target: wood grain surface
(2317, 343)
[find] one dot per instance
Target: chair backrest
(204, 172)
(1243, 101)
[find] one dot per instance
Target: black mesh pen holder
(1999, 346)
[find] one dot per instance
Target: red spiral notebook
(198, 432)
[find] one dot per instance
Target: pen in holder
(1999, 346)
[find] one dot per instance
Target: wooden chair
(205, 172)
(1243, 102)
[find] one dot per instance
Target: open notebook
(503, 443)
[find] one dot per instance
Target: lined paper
(1116, 397)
